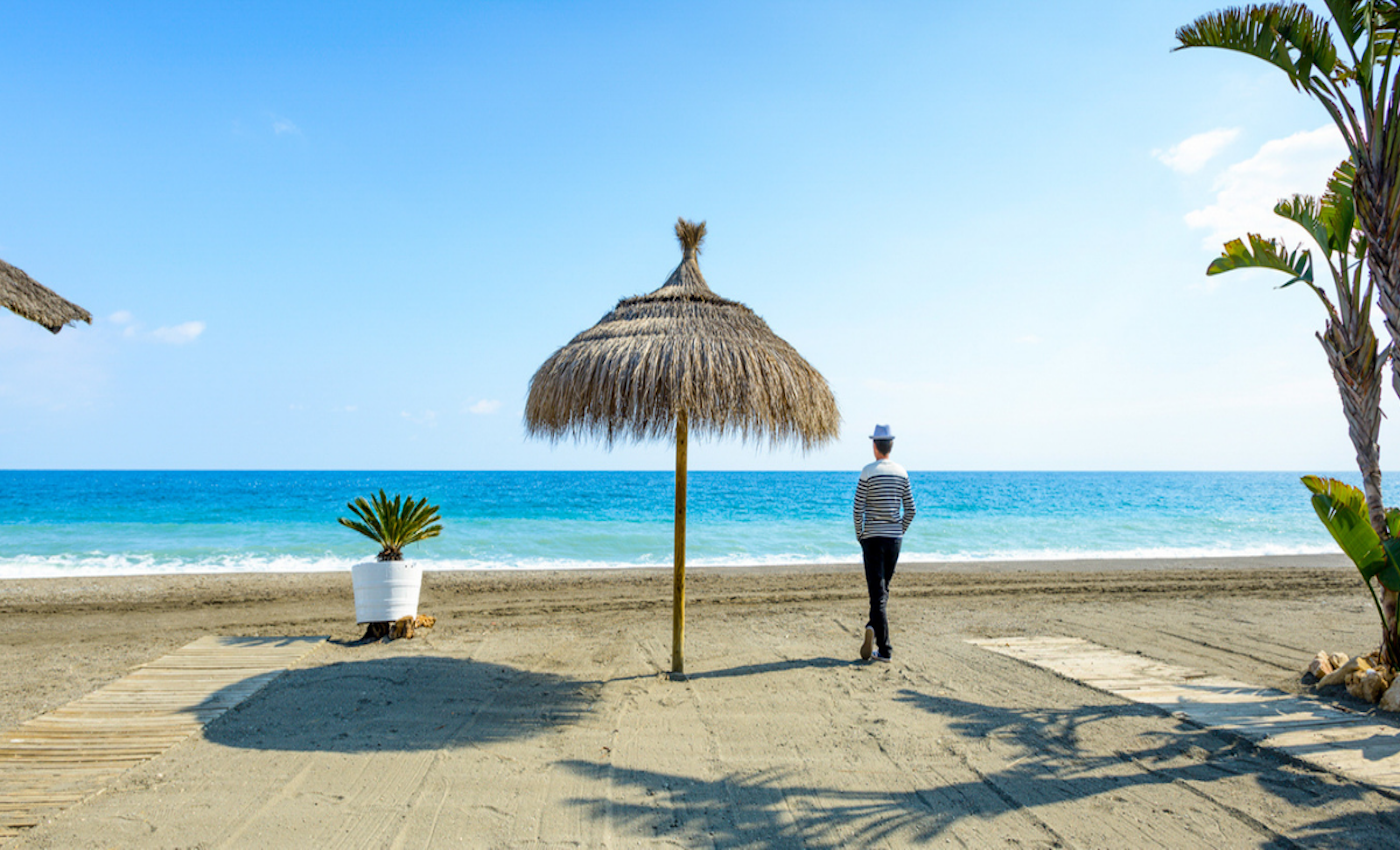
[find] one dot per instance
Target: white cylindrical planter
(386, 590)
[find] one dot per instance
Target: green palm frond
(1310, 36)
(1263, 253)
(1350, 17)
(1386, 19)
(1342, 509)
(1359, 247)
(1338, 209)
(1287, 35)
(394, 524)
(1307, 212)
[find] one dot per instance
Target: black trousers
(880, 554)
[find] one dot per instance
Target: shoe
(879, 656)
(867, 643)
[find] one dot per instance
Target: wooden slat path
(73, 752)
(1352, 745)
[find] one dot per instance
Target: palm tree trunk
(1370, 463)
(1375, 210)
(678, 592)
(1358, 375)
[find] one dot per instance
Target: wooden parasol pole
(678, 600)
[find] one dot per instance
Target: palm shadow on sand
(415, 703)
(404, 704)
(1047, 764)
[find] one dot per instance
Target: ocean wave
(85, 566)
(97, 564)
(1143, 553)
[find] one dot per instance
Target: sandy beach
(536, 713)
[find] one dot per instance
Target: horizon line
(666, 470)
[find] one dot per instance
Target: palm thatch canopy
(25, 296)
(681, 349)
(680, 358)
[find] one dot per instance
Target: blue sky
(343, 236)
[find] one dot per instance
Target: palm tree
(1359, 88)
(393, 524)
(1348, 338)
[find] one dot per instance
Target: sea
(76, 523)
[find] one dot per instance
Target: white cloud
(428, 418)
(281, 126)
(126, 321)
(179, 334)
(485, 407)
(1246, 192)
(171, 335)
(1191, 154)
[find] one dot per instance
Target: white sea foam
(1144, 553)
(97, 564)
(58, 566)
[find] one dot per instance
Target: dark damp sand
(535, 713)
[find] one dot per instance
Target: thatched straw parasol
(681, 358)
(25, 296)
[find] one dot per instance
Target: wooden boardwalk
(1309, 730)
(75, 751)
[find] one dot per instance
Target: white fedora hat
(882, 432)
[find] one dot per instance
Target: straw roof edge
(26, 297)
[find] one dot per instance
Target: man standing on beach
(884, 508)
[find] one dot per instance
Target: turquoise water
(109, 523)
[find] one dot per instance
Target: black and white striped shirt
(882, 492)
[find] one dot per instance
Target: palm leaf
(1309, 34)
(1288, 36)
(1342, 509)
(394, 524)
(1359, 246)
(360, 527)
(1350, 17)
(367, 513)
(1386, 17)
(1338, 207)
(1263, 253)
(1307, 212)
(1388, 575)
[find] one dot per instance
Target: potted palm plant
(387, 587)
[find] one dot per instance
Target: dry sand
(535, 713)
